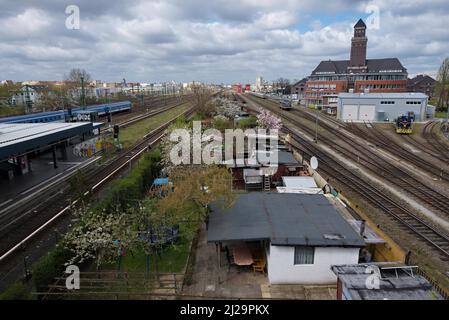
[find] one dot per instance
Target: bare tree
(281, 84)
(201, 97)
(73, 83)
(75, 76)
(442, 87)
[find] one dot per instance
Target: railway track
(424, 148)
(375, 136)
(434, 141)
(9, 216)
(351, 180)
(151, 104)
(380, 166)
(56, 200)
(383, 168)
(375, 163)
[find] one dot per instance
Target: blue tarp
(160, 182)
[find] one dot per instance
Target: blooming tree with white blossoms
(267, 120)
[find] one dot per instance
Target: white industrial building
(360, 107)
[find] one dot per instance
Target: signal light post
(116, 136)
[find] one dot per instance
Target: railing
(444, 292)
(118, 285)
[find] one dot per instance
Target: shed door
(367, 112)
(350, 112)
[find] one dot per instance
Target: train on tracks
(65, 115)
(404, 124)
(285, 104)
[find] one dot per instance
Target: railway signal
(116, 132)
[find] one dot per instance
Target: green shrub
(18, 291)
(222, 123)
(250, 122)
(124, 191)
(49, 267)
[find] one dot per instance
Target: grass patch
(171, 258)
(441, 114)
(135, 132)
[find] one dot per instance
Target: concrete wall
(391, 111)
(282, 270)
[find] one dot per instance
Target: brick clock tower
(359, 42)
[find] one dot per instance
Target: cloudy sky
(212, 41)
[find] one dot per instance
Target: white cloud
(212, 40)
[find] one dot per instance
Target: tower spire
(358, 47)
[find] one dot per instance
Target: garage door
(350, 112)
(367, 112)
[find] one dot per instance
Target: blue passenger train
(61, 115)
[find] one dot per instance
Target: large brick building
(422, 83)
(355, 75)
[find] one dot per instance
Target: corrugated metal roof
(403, 285)
(285, 219)
(299, 182)
(18, 138)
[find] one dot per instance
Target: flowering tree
(195, 188)
(267, 120)
(227, 108)
(93, 237)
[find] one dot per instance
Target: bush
(123, 192)
(221, 123)
(134, 185)
(18, 291)
(250, 122)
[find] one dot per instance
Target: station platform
(42, 171)
(34, 154)
(19, 138)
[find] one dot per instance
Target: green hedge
(250, 122)
(17, 291)
(133, 186)
(49, 267)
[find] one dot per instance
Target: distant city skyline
(212, 41)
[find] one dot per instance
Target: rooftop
(19, 138)
(360, 24)
(395, 283)
(387, 65)
(285, 219)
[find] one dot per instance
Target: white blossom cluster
(227, 108)
(267, 120)
(100, 236)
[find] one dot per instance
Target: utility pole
(316, 128)
(141, 100)
(28, 101)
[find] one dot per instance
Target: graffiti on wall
(87, 149)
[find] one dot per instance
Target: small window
(304, 255)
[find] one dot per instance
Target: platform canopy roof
(283, 219)
(20, 138)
